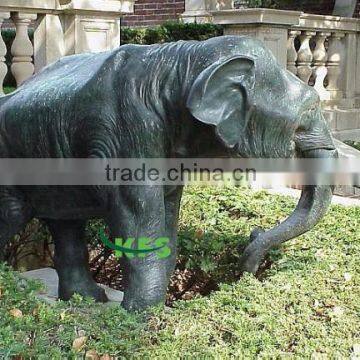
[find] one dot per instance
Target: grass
(307, 304)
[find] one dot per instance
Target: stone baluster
(320, 70)
(3, 67)
(336, 54)
(22, 48)
(292, 54)
(305, 56)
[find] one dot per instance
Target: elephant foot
(250, 264)
(252, 256)
(140, 303)
(87, 288)
(142, 297)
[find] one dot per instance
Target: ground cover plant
(304, 303)
(354, 144)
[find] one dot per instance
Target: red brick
(153, 12)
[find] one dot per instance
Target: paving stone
(348, 120)
(49, 278)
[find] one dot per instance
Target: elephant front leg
(140, 222)
(146, 283)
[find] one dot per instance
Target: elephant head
(259, 110)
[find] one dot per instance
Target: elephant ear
(219, 97)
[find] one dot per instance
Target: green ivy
(170, 31)
(262, 4)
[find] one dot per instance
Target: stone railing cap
(327, 22)
(110, 7)
(256, 16)
(29, 5)
(104, 6)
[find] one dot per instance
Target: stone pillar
(336, 55)
(22, 49)
(268, 25)
(199, 11)
(84, 33)
(345, 8)
(349, 68)
(3, 67)
(48, 41)
(78, 27)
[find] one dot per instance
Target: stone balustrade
(323, 51)
(62, 27)
(318, 60)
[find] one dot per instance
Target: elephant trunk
(312, 206)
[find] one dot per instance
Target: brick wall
(153, 12)
(324, 7)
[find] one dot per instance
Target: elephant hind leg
(15, 213)
(72, 260)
